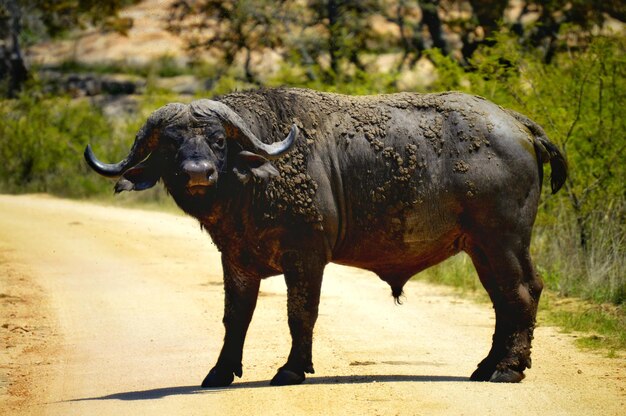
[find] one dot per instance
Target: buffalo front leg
(303, 275)
(240, 297)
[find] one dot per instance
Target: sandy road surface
(118, 312)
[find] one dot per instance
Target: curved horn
(145, 142)
(237, 128)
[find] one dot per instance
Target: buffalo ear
(138, 178)
(250, 164)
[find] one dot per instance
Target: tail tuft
(397, 293)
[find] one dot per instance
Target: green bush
(580, 100)
(41, 144)
(42, 139)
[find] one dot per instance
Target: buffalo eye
(218, 143)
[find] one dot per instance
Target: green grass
(457, 272)
(601, 326)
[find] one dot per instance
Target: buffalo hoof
(507, 376)
(287, 378)
(481, 374)
(217, 378)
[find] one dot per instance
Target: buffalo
(287, 180)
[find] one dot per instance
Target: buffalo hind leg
(507, 273)
(303, 275)
(240, 297)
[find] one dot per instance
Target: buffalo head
(189, 147)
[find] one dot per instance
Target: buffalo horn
(145, 142)
(237, 129)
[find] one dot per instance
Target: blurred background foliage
(559, 62)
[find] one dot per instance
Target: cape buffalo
(389, 183)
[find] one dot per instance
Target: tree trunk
(332, 10)
(433, 23)
(248, 70)
(13, 71)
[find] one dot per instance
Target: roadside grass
(599, 327)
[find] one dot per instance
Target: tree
(338, 29)
(332, 37)
(13, 71)
(47, 18)
(346, 27)
(230, 27)
(545, 33)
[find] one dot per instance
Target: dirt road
(110, 311)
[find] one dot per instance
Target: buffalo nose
(200, 172)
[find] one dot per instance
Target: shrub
(580, 100)
(42, 139)
(41, 145)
